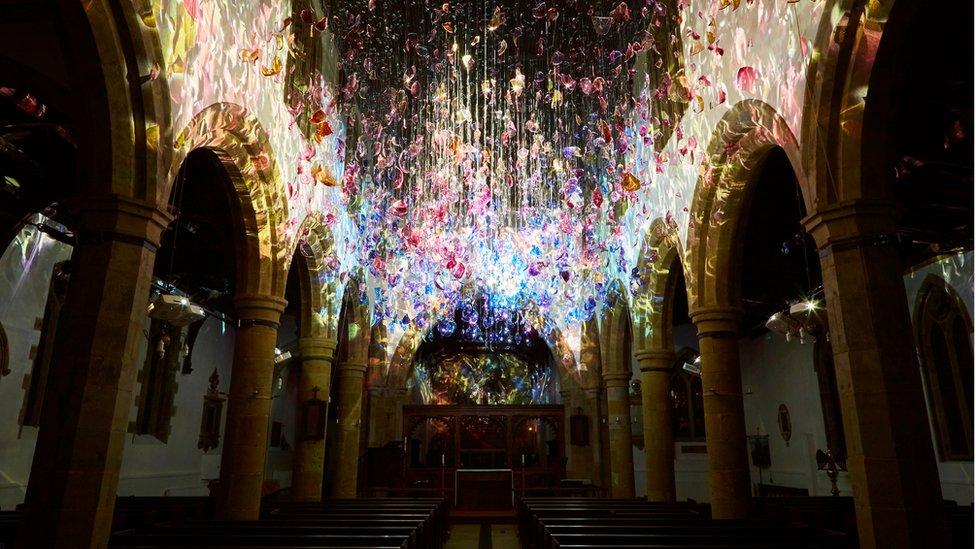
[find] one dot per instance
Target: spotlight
(174, 309)
(281, 356)
(801, 319)
(693, 367)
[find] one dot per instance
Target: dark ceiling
(780, 264)
(934, 141)
(198, 251)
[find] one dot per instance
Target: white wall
(149, 467)
(178, 467)
(25, 273)
(775, 372)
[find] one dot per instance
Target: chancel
(499, 273)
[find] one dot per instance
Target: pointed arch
(242, 146)
(659, 267)
(740, 144)
(839, 81)
(354, 325)
(943, 335)
(128, 106)
(318, 279)
(401, 363)
(615, 331)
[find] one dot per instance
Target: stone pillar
(892, 465)
(308, 467)
(655, 368)
(75, 473)
(579, 458)
(248, 407)
(592, 408)
(378, 418)
(729, 482)
(351, 380)
(399, 399)
(619, 428)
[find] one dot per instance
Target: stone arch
(401, 362)
(130, 102)
(739, 146)
(653, 303)
(839, 80)
(316, 260)
(354, 326)
(242, 146)
(615, 331)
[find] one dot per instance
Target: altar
(484, 489)
(482, 457)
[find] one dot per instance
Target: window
(164, 357)
(944, 338)
(687, 406)
(36, 382)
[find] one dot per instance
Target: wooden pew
(547, 523)
(9, 522)
(394, 523)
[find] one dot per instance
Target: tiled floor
(483, 536)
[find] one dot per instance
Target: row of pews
(548, 523)
(393, 523)
(130, 513)
(837, 513)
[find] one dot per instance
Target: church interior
(438, 274)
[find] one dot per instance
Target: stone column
(308, 467)
(729, 482)
(579, 458)
(619, 427)
(351, 380)
(399, 399)
(248, 407)
(378, 419)
(655, 368)
(592, 408)
(75, 473)
(892, 465)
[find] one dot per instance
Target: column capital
(259, 309)
(349, 369)
(852, 222)
(617, 379)
(116, 217)
(655, 360)
(317, 348)
(717, 321)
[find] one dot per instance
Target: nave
(387, 273)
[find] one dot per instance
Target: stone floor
(483, 536)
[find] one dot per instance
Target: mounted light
(174, 309)
(693, 367)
